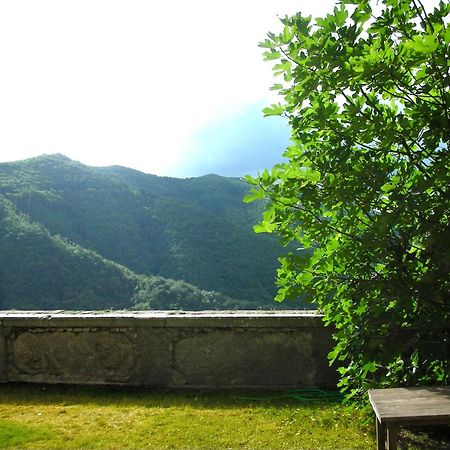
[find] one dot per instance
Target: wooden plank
(381, 434)
(411, 404)
(392, 434)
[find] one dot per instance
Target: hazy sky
(166, 87)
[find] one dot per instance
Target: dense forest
(79, 237)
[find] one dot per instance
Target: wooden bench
(408, 406)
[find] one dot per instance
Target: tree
(365, 188)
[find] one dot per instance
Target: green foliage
(157, 293)
(366, 187)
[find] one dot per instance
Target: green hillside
(41, 271)
(79, 235)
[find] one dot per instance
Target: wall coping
(163, 319)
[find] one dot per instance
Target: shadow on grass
(29, 394)
(425, 438)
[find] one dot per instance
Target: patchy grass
(69, 417)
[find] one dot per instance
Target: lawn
(70, 417)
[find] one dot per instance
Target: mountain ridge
(194, 230)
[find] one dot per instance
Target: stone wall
(167, 349)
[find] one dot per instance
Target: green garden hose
(303, 395)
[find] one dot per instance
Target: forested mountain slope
(102, 226)
(40, 271)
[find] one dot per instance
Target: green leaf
(423, 43)
(264, 227)
(273, 110)
(273, 54)
(388, 187)
(303, 173)
(276, 87)
(251, 180)
(446, 35)
(282, 67)
(254, 194)
(287, 34)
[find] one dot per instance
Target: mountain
(41, 271)
(74, 236)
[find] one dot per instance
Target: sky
(172, 88)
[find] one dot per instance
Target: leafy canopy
(366, 186)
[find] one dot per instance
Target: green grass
(69, 417)
(13, 434)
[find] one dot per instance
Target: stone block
(258, 358)
(154, 356)
(3, 356)
(64, 356)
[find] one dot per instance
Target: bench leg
(381, 434)
(392, 433)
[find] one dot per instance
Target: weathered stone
(225, 349)
(246, 358)
(238, 319)
(3, 355)
(61, 355)
(154, 347)
(85, 319)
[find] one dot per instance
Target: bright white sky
(166, 87)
